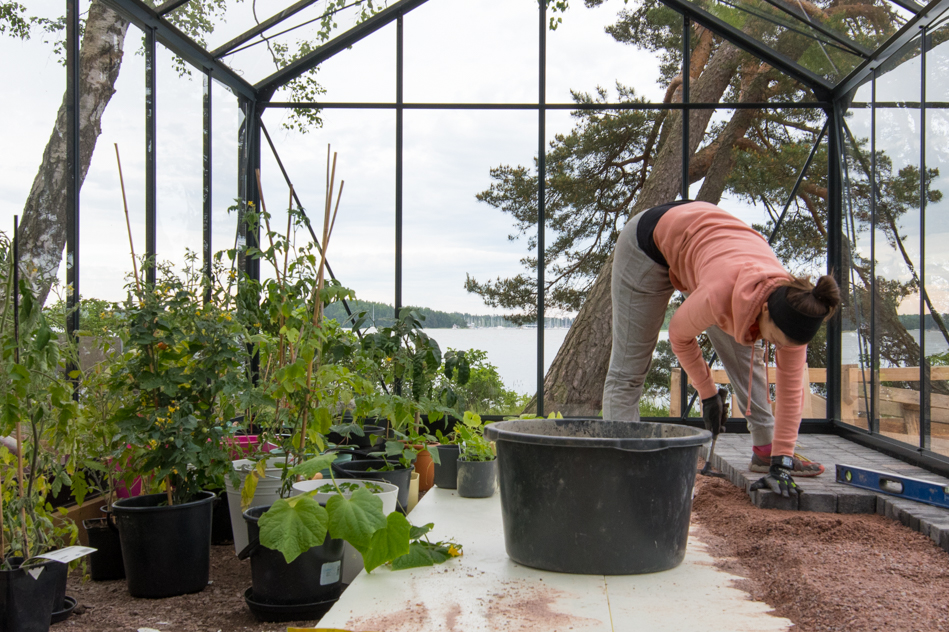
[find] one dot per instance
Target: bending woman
(740, 295)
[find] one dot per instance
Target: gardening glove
(715, 412)
(779, 478)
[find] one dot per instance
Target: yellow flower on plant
(454, 551)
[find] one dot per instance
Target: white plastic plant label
(36, 572)
(68, 554)
(330, 573)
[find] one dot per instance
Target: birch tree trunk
(43, 228)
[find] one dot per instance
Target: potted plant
(182, 368)
(477, 462)
(36, 415)
(296, 557)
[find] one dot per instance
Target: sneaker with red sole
(803, 466)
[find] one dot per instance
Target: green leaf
(421, 554)
(389, 543)
(293, 527)
(356, 518)
(418, 532)
(309, 468)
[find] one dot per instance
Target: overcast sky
(455, 50)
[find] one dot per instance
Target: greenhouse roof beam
(909, 5)
(250, 34)
(170, 5)
(146, 18)
(822, 87)
(801, 16)
(932, 12)
(306, 63)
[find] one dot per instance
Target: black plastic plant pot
(594, 496)
(105, 563)
(477, 479)
(446, 472)
(221, 532)
(315, 576)
(27, 603)
(353, 439)
(166, 549)
(401, 476)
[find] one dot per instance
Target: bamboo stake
(168, 490)
(128, 223)
(263, 207)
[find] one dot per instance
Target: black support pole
(925, 412)
(151, 164)
(686, 64)
(873, 416)
(398, 166)
(73, 162)
(207, 188)
(541, 194)
(834, 253)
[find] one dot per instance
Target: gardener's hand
(714, 412)
(779, 478)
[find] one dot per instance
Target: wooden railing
(899, 407)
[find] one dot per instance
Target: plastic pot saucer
(281, 613)
(69, 604)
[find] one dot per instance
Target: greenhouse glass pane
(856, 295)
(897, 250)
(937, 233)
(826, 38)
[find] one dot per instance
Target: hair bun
(827, 292)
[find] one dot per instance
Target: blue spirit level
(903, 486)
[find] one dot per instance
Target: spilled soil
(826, 572)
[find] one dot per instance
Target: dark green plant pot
(446, 472)
(166, 550)
(477, 479)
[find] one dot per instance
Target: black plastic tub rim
(630, 436)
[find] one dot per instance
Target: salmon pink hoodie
(729, 271)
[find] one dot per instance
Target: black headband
(797, 326)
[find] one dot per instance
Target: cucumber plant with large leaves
(294, 525)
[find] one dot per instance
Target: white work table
(485, 590)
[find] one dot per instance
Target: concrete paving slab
(486, 590)
(824, 493)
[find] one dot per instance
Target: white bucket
(352, 560)
(267, 492)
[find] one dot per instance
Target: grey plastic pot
(446, 472)
(594, 496)
(477, 479)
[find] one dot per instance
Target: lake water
(513, 351)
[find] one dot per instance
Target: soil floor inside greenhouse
(821, 571)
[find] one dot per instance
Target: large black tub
(597, 497)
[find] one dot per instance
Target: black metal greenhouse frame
(255, 99)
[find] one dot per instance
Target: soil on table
(824, 572)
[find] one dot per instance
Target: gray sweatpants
(641, 290)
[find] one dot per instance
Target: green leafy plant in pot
(37, 413)
(477, 461)
(182, 367)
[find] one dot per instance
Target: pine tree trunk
(43, 228)
(573, 385)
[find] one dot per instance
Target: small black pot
(166, 549)
(105, 563)
(401, 476)
(27, 604)
(477, 479)
(315, 576)
(221, 532)
(446, 472)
